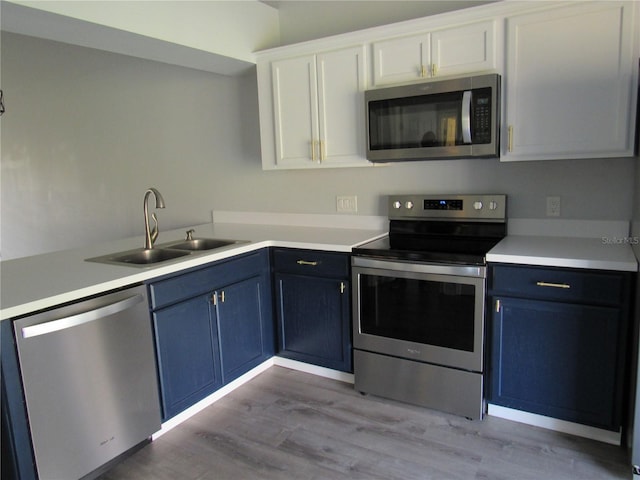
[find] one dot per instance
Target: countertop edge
(563, 262)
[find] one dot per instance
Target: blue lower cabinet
(244, 328)
(211, 325)
(557, 360)
(313, 307)
(188, 353)
(556, 351)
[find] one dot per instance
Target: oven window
(427, 312)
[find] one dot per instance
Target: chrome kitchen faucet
(151, 235)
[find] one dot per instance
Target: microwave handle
(466, 116)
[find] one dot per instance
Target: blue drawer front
(311, 262)
(225, 272)
(574, 286)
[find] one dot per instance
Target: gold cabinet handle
(342, 287)
(497, 306)
(313, 150)
(322, 152)
(215, 296)
(434, 69)
(306, 262)
(423, 70)
(553, 285)
(510, 138)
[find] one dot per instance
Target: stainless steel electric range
(419, 301)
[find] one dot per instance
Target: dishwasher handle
(80, 318)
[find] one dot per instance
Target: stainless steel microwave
(454, 118)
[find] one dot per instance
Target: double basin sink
(142, 257)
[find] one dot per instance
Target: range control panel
(460, 207)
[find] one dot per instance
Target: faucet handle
(154, 230)
(190, 233)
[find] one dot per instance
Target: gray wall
(86, 132)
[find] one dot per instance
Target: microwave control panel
(481, 108)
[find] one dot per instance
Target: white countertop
(605, 253)
(33, 283)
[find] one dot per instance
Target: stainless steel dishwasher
(90, 382)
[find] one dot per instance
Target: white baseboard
(606, 436)
(218, 394)
(314, 369)
(211, 399)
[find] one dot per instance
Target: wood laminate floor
(285, 424)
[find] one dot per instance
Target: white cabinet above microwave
(452, 51)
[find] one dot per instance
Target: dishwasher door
(90, 381)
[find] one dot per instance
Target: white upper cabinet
(295, 110)
(317, 114)
(467, 49)
(569, 80)
(570, 86)
(341, 85)
(401, 59)
(452, 51)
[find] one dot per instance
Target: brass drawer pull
(554, 285)
(305, 262)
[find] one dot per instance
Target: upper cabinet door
(401, 59)
(295, 110)
(318, 111)
(341, 84)
(569, 83)
(453, 51)
(471, 48)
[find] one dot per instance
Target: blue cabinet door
(557, 359)
(188, 354)
(244, 326)
(314, 320)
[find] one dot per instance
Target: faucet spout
(151, 236)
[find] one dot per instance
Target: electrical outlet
(553, 206)
(347, 203)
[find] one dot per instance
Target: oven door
(427, 313)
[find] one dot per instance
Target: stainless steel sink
(196, 244)
(140, 257)
(144, 257)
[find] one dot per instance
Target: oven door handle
(466, 116)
